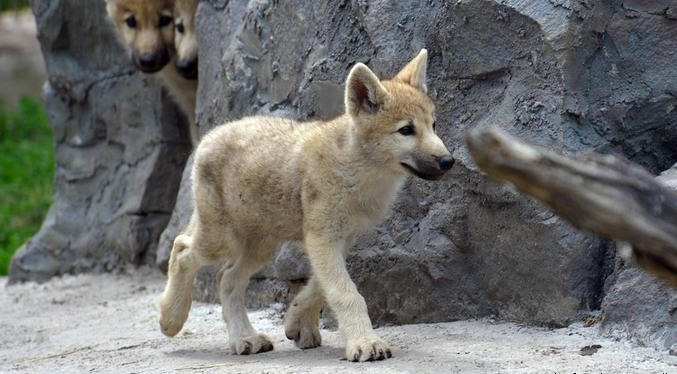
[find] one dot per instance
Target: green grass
(26, 174)
(12, 4)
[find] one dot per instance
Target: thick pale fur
(260, 181)
(148, 38)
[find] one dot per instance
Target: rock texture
(573, 75)
(460, 248)
(120, 150)
(640, 306)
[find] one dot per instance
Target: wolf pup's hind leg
(233, 281)
(192, 250)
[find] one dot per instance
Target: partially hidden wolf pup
(146, 27)
(260, 181)
(185, 38)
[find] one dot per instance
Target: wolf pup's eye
(165, 21)
(131, 21)
(434, 126)
(407, 130)
(180, 28)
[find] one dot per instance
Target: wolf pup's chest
(372, 205)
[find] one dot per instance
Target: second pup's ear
(364, 92)
(414, 73)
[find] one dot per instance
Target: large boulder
(463, 247)
(120, 149)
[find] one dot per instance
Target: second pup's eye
(180, 28)
(407, 130)
(434, 126)
(131, 21)
(165, 21)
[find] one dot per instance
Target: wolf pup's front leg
(326, 255)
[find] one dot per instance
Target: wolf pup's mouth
(427, 176)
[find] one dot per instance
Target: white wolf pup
(260, 181)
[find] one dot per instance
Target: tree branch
(605, 195)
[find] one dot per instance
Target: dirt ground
(107, 324)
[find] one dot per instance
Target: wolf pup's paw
(304, 333)
(170, 327)
(251, 345)
(367, 349)
(174, 310)
(172, 317)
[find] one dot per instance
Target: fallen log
(605, 195)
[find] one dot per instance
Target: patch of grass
(26, 174)
(12, 4)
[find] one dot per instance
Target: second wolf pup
(146, 27)
(185, 38)
(260, 181)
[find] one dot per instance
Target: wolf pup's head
(185, 38)
(147, 29)
(394, 120)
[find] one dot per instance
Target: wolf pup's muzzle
(187, 68)
(430, 168)
(151, 62)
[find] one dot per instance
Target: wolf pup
(185, 38)
(260, 181)
(185, 42)
(146, 28)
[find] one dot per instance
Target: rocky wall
(573, 75)
(464, 247)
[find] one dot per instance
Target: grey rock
(640, 306)
(290, 264)
(571, 75)
(464, 247)
(179, 219)
(120, 150)
(621, 85)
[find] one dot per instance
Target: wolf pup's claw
(368, 349)
(252, 345)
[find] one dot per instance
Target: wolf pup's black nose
(148, 61)
(187, 68)
(446, 162)
(152, 62)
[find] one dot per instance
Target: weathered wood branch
(605, 195)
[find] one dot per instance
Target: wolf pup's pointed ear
(414, 73)
(364, 91)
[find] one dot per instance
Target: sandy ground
(107, 324)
